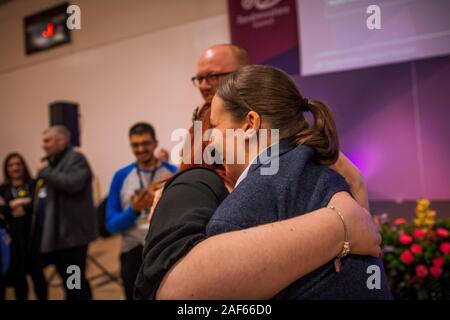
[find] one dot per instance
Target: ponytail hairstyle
(272, 94)
(322, 135)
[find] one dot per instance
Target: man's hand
(354, 179)
(142, 200)
(42, 165)
(2, 201)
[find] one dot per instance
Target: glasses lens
(213, 77)
(210, 78)
(144, 144)
(198, 80)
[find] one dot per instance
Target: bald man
(69, 221)
(215, 63)
(218, 61)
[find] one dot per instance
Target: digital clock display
(46, 29)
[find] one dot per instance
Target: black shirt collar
(54, 160)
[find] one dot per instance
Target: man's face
(215, 61)
(143, 147)
(52, 143)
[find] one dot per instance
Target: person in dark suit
(69, 224)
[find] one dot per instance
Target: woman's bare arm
(258, 262)
(354, 178)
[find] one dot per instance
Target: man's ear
(252, 124)
(61, 141)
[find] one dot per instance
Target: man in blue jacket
(130, 197)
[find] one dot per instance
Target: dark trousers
(130, 263)
(17, 273)
(62, 259)
(37, 261)
(36, 271)
(2, 280)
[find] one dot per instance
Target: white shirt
(245, 172)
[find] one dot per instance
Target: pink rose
(416, 249)
(419, 234)
(436, 271)
(407, 257)
(421, 271)
(405, 238)
(441, 232)
(399, 221)
(445, 247)
(438, 261)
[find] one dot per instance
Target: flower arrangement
(416, 254)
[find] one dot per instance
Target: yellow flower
(423, 203)
(421, 215)
(22, 193)
(424, 215)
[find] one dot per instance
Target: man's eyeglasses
(210, 78)
(144, 144)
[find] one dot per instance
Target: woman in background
(17, 192)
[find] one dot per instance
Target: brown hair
(274, 96)
(26, 173)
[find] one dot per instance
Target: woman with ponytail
(262, 98)
(181, 262)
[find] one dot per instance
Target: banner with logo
(267, 29)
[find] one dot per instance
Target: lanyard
(152, 174)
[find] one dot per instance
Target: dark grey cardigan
(70, 219)
(300, 186)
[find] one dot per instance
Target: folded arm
(259, 262)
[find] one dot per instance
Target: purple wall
(393, 122)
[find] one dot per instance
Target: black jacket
(70, 219)
(178, 224)
(7, 194)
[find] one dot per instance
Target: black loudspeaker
(66, 114)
